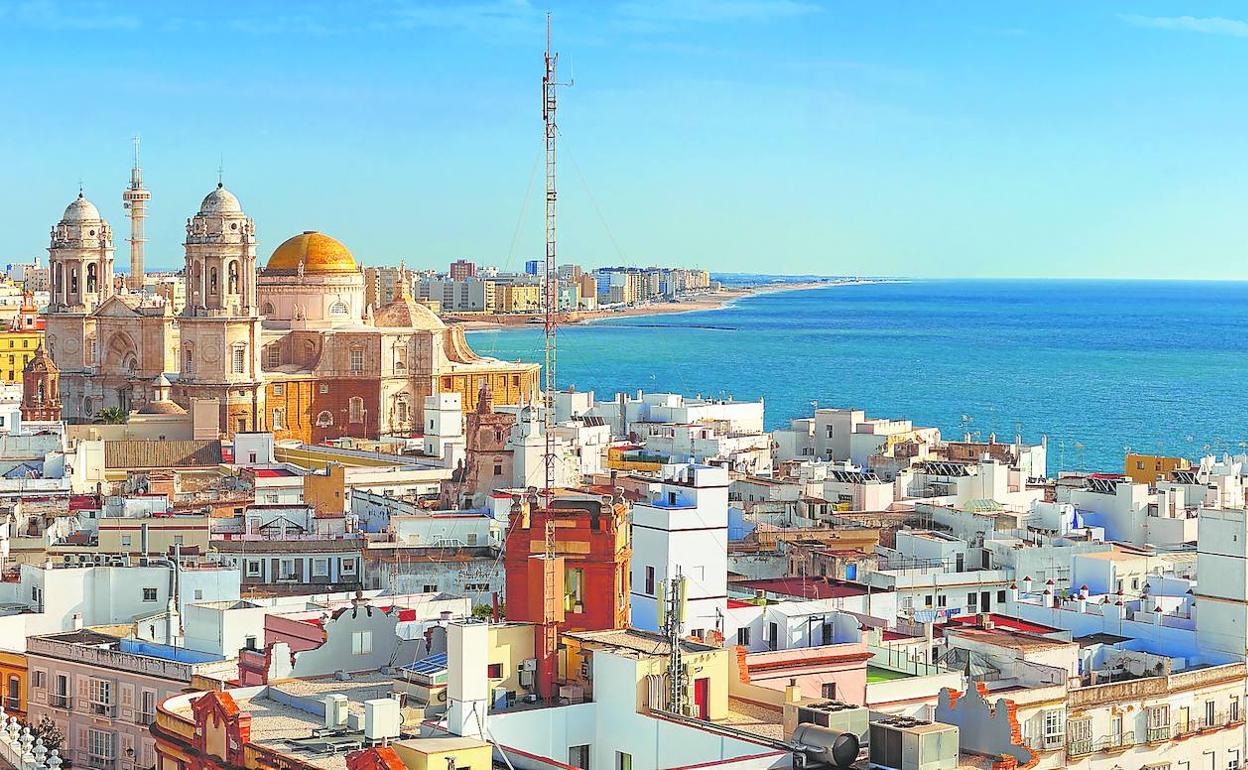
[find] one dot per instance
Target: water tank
(826, 746)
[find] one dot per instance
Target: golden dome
(316, 251)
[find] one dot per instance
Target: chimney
(792, 693)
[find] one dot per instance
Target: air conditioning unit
(382, 719)
(335, 711)
(838, 716)
(902, 743)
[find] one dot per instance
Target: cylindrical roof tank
(823, 744)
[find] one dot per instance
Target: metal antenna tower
(550, 306)
(135, 198)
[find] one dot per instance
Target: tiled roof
(161, 454)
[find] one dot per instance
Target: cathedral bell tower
(220, 326)
(41, 389)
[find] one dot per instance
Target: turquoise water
(1097, 365)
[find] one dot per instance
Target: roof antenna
(221, 170)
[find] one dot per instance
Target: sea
(1100, 367)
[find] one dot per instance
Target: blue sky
(903, 138)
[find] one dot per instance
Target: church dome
(220, 201)
(162, 406)
(317, 252)
(81, 210)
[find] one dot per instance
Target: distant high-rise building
(533, 267)
(462, 268)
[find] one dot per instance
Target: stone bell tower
(41, 389)
(80, 263)
(220, 326)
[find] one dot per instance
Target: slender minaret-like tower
(135, 199)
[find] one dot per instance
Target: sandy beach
(709, 301)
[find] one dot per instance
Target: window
(1001, 597)
(274, 358)
(649, 581)
(362, 643)
(188, 359)
(147, 707)
(125, 541)
(495, 671)
(972, 599)
(743, 636)
(1233, 712)
(429, 589)
(828, 690)
(253, 568)
(1158, 723)
(941, 600)
(338, 308)
(279, 390)
(498, 469)
(320, 568)
(39, 679)
(1053, 727)
(286, 569)
(357, 360)
(324, 420)
(279, 418)
(101, 691)
(199, 594)
(1232, 759)
(1079, 736)
(578, 756)
(178, 540)
(240, 359)
(401, 411)
(99, 748)
(623, 760)
(1211, 710)
(149, 594)
(14, 698)
(356, 409)
(348, 566)
(324, 388)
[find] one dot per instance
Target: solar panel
(434, 664)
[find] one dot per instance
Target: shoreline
(700, 302)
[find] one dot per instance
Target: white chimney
(467, 686)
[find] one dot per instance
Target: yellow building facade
(13, 683)
(17, 347)
(1149, 469)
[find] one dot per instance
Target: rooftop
(803, 588)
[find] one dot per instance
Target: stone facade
(297, 332)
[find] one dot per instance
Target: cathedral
(290, 347)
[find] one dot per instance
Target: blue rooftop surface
(165, 652)
(434, 664)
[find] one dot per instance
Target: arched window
(131, 365)
(279, 418)
(91, 278)
(212, 280)
(58, 278)
(268, 309)
(188, 358)
(73, 281)
(357, 409)
(400, 356)
(324, 420)
(339, 308)
(401, 411)
(234, 276)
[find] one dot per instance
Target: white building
(682, 528)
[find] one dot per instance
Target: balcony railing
(1079, 747)
(12, 704)
(61, 700)
(103, 709)
(101, 763)
(1116, 742)
(146, 718)
(1158, 734)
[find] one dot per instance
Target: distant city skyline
(752, 136)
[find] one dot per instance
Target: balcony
(1079, 748)
(61, 700)
(145, 718)
(1158, 734)
(103, 709)
(12, 704)
(101, 763)
(1120, 742)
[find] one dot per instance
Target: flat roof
(804, 588)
